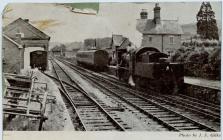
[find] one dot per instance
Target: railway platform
(212, 84)
(205, 83)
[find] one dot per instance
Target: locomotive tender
(148, 68)
(94, 59)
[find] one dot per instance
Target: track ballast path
(92, 116)
(164, 115)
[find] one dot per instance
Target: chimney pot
(26, 20)
(143, 14)
(157, 13)
(19, 36)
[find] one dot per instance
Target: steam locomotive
(148, 68)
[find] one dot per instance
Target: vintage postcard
(124, 70)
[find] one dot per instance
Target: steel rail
(198, 110)
(183, 105)
(113, 79)
(66, 93)
(197, 100)
(95, 102)
(160, 106)
(199, 104)
(167, 109)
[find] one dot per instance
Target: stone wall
(156, 41)
(203, 93)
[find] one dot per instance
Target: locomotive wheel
(152, 85)
(168, 86)
(157, 86)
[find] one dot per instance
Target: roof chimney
(143, 14)
(19, 36)
(26, 20)
(157, 13)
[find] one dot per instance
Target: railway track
(183, 98)
(153, 109)
(200, 107)
(121, 110)
(206, 109)
(72, 110)
(91, 115)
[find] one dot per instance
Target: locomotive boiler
(148, 68)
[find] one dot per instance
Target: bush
(199, 62)
(200, 42)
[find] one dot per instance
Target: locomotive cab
(148, 68)
(153, 70)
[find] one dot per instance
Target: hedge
(200, 61)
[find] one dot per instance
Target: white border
(89, 135)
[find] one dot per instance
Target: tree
(206, 22)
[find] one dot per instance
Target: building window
(3, 61)
(3, 52)
(171, 40)
(3, 56)
(150, 39)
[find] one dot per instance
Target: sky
(63, 26)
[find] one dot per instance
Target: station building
(165, 35)
(19, 40)
(58, 51)
(119, 45)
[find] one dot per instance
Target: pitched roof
(58, 48)
(26, 25)
(124, 44)
(148, 26)
(103, 43)
(117, 40)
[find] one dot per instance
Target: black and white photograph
(130, 66)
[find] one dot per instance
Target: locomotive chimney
(143, 14)
(157, 13)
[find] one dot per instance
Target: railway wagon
(38, 59)
(148, 68)
(94, 59)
